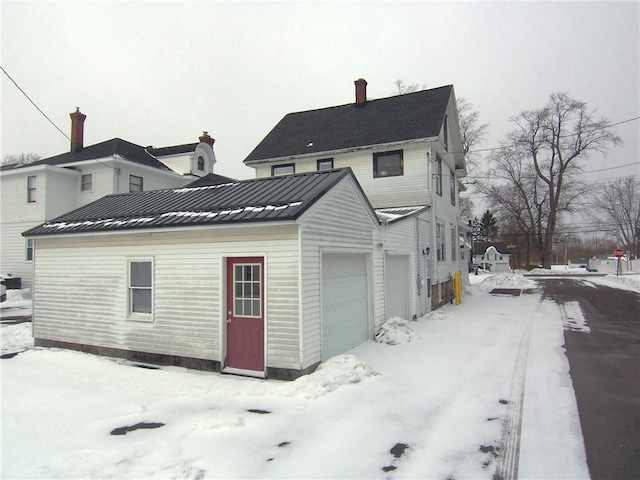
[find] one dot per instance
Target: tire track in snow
(508, 460)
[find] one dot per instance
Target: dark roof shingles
(386, 120)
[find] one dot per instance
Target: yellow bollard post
(458, 287)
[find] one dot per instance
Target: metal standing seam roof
(257, 200)
(400, 118)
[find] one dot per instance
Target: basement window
(388, 164)
(278, 170)
(140, 290)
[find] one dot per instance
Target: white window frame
(454, 245)
(452, 186)
(84, 184)
(200, 163)
(32, 189)
(438, 176)
(29, 250)
(140, 316)
(440, 242)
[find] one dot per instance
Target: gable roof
(115, 146)
(210, 179)
(400, 118)
(257, 200)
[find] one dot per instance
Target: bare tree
(618, 205)
(537, 168)
(471, 131)
(20, 159)
(403, 88)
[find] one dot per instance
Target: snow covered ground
(428, 399)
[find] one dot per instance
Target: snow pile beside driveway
(330, 375)
(394, 331)
(16, 338)
(484, 283)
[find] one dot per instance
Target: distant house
(578, 262)
(43, 190)
(353, 219)
(492, 256)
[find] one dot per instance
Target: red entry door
(245, 313)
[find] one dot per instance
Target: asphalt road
(605, 370)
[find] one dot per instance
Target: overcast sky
(159, 73)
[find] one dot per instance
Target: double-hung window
(32, 186)
(140, 289)
(86, 182)
(135, 184)
(440, 242)
(454, 244)
(452, 186)
(29, 250)
(388, 164)
(438, 176)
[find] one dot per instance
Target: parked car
(3, 290)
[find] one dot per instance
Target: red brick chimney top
(77, 130)
(361, 91)
(207, 139)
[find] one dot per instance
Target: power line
(33, 103)
(491, 149)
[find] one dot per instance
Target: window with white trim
(452, 186)
(135, 184)
(445, 133)
(454, 243)
(32, 186)
(438, 176)
(441, 252)
(29, 250)
(201, 163)
(86, 182)
(140, 289)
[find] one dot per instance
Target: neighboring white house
(43, 190)
(353, 219)
(494, 257)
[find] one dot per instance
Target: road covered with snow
(463, 392)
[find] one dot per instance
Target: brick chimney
(207, 139)
(77, 130)
(361, 91)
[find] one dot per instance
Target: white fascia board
(40, 168)
(375, 146)
(157, 230)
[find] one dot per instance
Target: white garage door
(397, 293)
(345, 302)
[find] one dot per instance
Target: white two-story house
(406, 153)
(42, 190)
(352, 220)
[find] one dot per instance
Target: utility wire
(33, 103)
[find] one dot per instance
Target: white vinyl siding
(340, 223)
(188, 291)
(411, 188)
